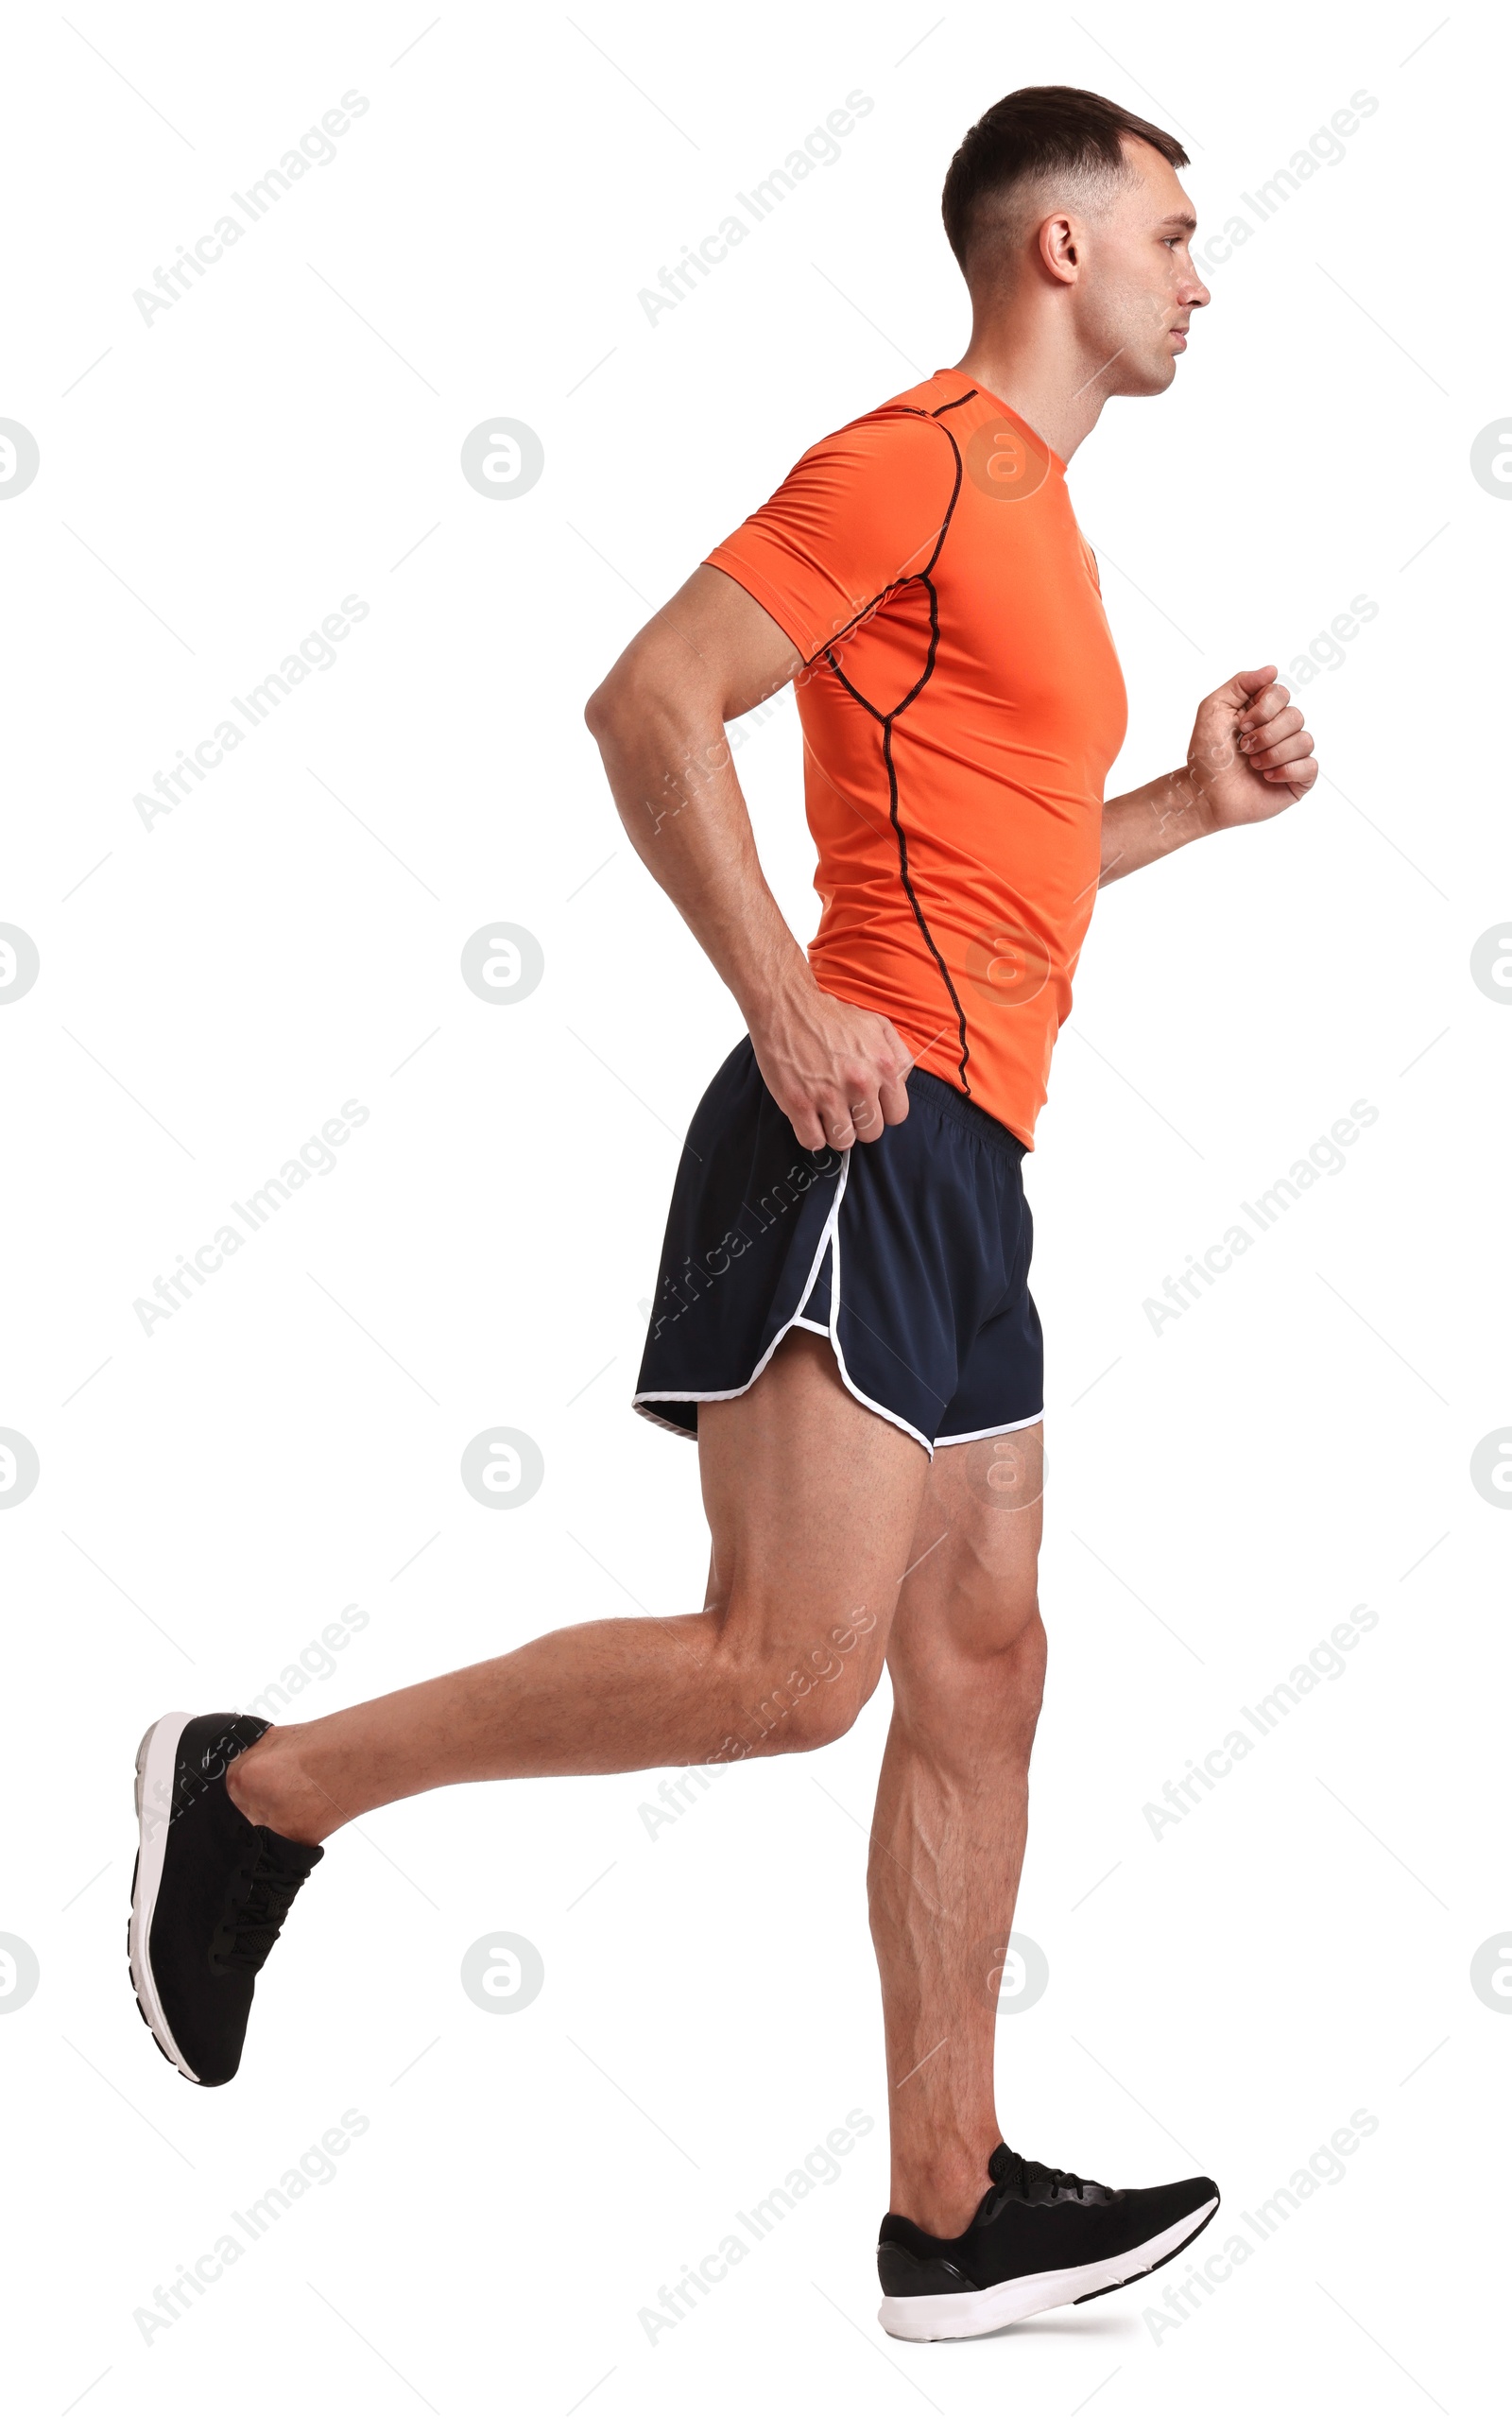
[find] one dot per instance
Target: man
(844, 1322)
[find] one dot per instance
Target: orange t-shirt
(961, 705)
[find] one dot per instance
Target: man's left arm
(1249, 757)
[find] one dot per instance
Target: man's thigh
(812, 1504)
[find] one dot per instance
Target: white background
(212, 989)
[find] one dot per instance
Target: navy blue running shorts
(911, 1252)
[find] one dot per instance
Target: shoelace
(256, 1905)
(1015, 2174)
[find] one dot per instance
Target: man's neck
(1033, 363)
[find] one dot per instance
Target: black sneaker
(1038, 2238)
(209, 1894)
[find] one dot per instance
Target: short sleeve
(860, 512)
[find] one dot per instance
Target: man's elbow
(643, 695)
(598, 710)
(626, 696)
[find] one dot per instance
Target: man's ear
(1058, 247)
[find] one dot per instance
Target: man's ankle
(271, 1789)
(941, 2195)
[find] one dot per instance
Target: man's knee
(827, 1713)
(1022, 1661)
(804, 1703)
(989, 1620)
(1013, 1648)
(987, 1659)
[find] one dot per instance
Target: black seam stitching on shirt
(952, 403)
(892, 771)
(885, 721)
(836, 669)
(918, 909)
(910, 698)
(922, 577)
(825, 648)
(927, 570)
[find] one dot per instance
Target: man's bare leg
(812, 1501)
(967, 1657)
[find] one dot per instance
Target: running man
(844, 1322)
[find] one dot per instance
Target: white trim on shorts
(846, 1378)
(831, 1236)
(733, 1393)
(975, 1436)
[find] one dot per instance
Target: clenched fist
(1250, 754)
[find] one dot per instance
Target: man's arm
(1248, 758)
(658, 716)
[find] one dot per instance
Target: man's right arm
(836, 1071)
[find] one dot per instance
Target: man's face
(1139, 288)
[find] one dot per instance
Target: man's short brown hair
(1039, 131)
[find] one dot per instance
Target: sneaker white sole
(154, 1762)
(962, 2315)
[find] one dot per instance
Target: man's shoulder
(907, 411)
(902, 433)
